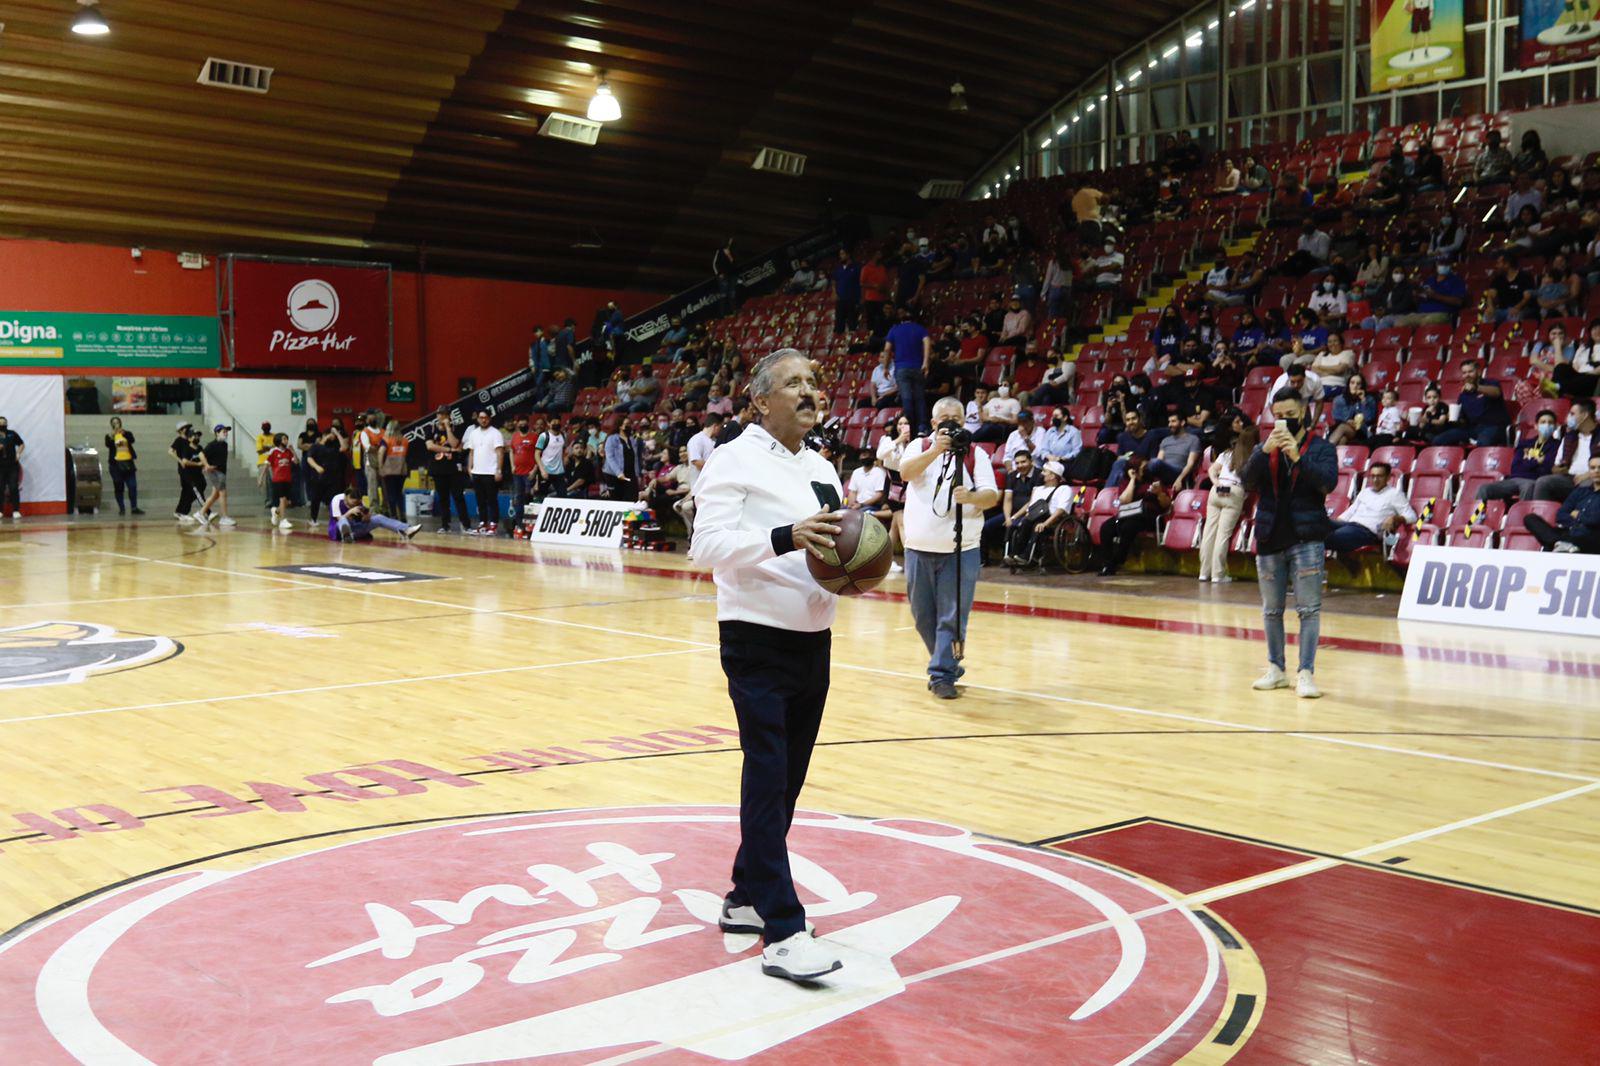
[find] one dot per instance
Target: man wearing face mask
(1442, 296)
(1577, 525)
(1534, 459)
(1580, 444)
(1292, 472)
(998, 416)
(1395, 304)
(1108, 265)
(761, 502)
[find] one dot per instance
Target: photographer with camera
(949, 484)
(350, 520)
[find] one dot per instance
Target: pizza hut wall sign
(309, 315)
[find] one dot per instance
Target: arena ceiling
(394, 125)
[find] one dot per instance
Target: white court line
(1204, 896)
(1117, 707)
(347, 685)
(142, 599)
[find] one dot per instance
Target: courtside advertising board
(581, 523)
(1544, 592)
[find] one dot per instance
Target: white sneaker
(205, 519)
(286, 525)
(225, 520)
(1273, 678)
(1563, 547)
(1223, 580)
(746, 920)
(896, 568)
(1306, 687)
(188, 519)
(799, 958)
(273, 517)
(413, 530)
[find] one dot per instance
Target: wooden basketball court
(229, 784)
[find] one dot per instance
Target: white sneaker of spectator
(226, 520)
(746, 920)
(286, 525)
(1306, 687)
(1565, 547)
(1273, 678)
(799, 958)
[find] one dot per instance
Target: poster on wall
(1559, 31)
(309, 315)
(130, 396)
(146, 342)
(1417, 41)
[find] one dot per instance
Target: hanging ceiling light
(958, 97)
(90, 23)
(603, 107)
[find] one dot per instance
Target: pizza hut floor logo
(590, 936)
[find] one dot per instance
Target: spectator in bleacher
(846, 293)
(1560, 194)
(1228, 178)
(1218, 279)
(1143, 502)
(1579, 446)
(876, 288)
(1225, 376)
(911, 348)
(1493, 163)
(722, 268)
(1336, 362)
(1447, 239)
(1509, 297)
(1056, 386)
(1312, 249)
(998, 416)
(1170, 332)
(1391, 423)
(973, 418)
(1086, 207)
(1410, 244)
(1046, 507)
(1305, 383)
(675, 338)
(1433, 420)
(1024, 476)
(1577, 526)
(1441, 297)
(1254, 176)
(1561, 267)
(1177, 455)
(1191, 356)
(1017, 326)
(1108, 265)
(1225, 501)
(1247, 336)
(1395, 302)
(540, 354)
(885, 393)
(718, 401)
(869, 484)
(1550, 295)
(1025, 282)
(803, 280)
(1276, 338)
(1347, 239)
(1292, 473)
(1290, 202)
(1529, 235)
(1530, 160)
(744, 414)
(1057, 284)
(1329, 303)
(1248, 277)
(1355, 413)
(1027, 437)
(1427, 173)
(992, 256)
(1483, 418)
(644, 392)
(1307, 338)
(1062, 440)
(1379, 508)
(1577, 374)
(1026, 375)
(1391, 190)
(702, 444)
(1535, 458)
(1134, 441)
(1373, 269)
(1524, 193)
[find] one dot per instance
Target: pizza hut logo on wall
(313, 308)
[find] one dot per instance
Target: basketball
(859, 559)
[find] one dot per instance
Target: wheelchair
(1065, 544)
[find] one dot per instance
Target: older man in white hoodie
(761, 502)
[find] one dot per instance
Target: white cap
(184, 425)
(1056, 468)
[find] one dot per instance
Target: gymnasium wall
(445, 328)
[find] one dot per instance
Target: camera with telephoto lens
(960, 436)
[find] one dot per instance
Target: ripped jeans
(1304, 563)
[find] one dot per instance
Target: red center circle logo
(590, 936)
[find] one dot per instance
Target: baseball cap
(184, 425)
(218, 428)
(1056, 468)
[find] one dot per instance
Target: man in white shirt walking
(702, 444)
(938, 481)
(762, 501)
(486, 449)
(1378, 508)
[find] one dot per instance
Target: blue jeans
(1349, 536)
(1304, 564)
(353, 530)
(1484, 436)
(931, 591)
(913, 399)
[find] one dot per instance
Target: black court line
(1314, 853)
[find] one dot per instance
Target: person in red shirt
(280, 465)
(874, 291)
(524, 458)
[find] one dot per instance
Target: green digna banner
(135, 342)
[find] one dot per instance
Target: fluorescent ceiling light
(603, 107)
(1061, 129)
(1170, 52)
(1194, 41)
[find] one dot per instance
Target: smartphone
(1279, 424)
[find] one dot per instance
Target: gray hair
(951, 406)
(764, 378)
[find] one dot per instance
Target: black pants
(192, 488)
(322, 490)
(10, 489)
(1574, 384)
(447, 487)
(778, 681)
(487, 491)
(1550, 536)
(125, 480)
(1117, 536)
(845, 315)
(394, 496)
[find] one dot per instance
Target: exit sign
(402, 392)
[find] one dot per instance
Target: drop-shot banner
(1558, 31)
(1543, 592)
(1417, 41)
(308, 315)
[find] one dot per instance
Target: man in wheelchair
(1031, 531)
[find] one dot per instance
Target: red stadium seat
(1400, 457)
(1102, 511)
(1381, 373)
(1475, 525)
(1514, 535)
(1182, 530)
(1353, 457)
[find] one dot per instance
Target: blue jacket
(614, 455)
(1580, 511)
(1310, 480)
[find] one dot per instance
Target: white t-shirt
(868, 484)
(701, 445)
(930, 524)
(1003, 408)
(1311, 390)
(550, 456)
(972, 421)
(1017, 442)
(1324, 303)
(481, 445)
(882, 383)
(1060, 497)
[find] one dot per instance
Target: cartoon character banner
(1559, 31)
(1417, 41)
